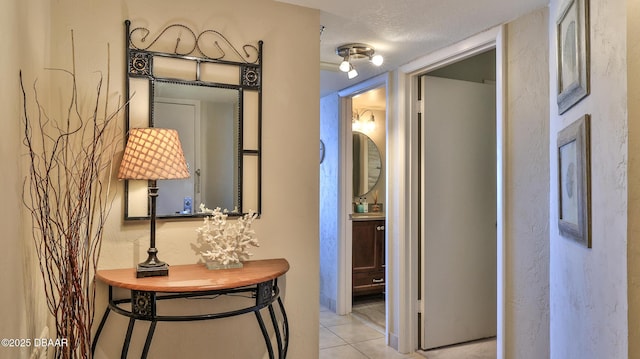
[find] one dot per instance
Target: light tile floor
(361, 336)
(371, 310)
(481, 349)
(349, 337)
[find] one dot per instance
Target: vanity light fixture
(356, 51)
(355, 124)
(153, 154)
(371, 124)
(361, 125)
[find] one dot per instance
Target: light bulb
(377, 60)
(355, 125)
(345, 66)
(352, 73)
(370, 125)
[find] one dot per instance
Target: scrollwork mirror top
(183, 57)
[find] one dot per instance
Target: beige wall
(23, 32)
(588, 287)
(13, 298)
(290, 167)
(527, 188)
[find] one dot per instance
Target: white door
(183, 116)
(458, 210)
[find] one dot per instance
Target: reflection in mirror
(207, 121)
(366, 164)
(210, 90)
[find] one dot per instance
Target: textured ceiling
(402, 30)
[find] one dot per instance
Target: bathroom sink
(367, 216)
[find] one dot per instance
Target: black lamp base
(152, 267)
(159, 270)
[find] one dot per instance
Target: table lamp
(153, 154)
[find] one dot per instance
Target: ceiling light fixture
(350, 52)
(345, 66)
(352, 72)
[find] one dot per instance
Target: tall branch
(68, 194)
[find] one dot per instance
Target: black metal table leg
(276, 327)
(265, 334)
(100, 327)
(285, 326)
(147, 343)
(127, 339)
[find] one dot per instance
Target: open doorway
(368, 154)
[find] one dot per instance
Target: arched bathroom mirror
(367, 164)
(211, 93)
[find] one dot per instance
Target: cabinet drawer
(368, 279)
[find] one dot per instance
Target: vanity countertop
(371, 216)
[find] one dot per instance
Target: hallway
(348, 337)
(354, 337)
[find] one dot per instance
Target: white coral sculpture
(225, 242)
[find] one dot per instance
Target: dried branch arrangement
(68, 194)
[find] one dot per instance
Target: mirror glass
(366, 164)
(207, 121)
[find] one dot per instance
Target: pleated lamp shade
(153, 154)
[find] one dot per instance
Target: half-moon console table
(258, 278)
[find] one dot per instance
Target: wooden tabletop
(196, 277)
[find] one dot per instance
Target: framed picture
(572, 33)
(574, 182)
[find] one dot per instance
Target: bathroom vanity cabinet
(368, 256)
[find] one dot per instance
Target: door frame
(403, 180)
(344, 293)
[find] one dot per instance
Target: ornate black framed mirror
(211, 92)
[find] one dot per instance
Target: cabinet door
(364, 247)
(368, 257)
